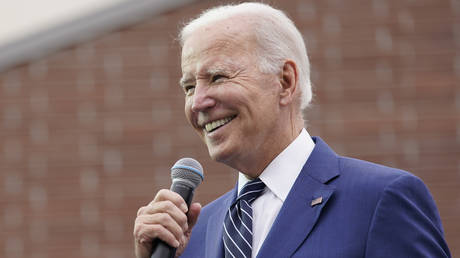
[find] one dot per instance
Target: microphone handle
(160, 248)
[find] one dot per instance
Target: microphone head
(188, 171)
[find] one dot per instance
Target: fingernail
(184, 207)
(176, 243)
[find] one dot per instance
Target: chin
(215, 155)
(219, 155)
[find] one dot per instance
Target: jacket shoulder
(370, 175)
(403, 212)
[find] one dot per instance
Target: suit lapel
(214, 242)
(302, 207)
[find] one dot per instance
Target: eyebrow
(211, 70)
(184, 81)
(216, 69)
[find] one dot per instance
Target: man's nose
(202, 99)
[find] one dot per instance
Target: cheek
(188, 110)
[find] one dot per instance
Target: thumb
(193, 213)
(192, 216)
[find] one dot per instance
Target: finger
(194, 212)
(145, 234)
(169, 195)
(166, 207)
(163, 219)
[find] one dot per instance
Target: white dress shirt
(278, 176)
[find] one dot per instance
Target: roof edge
(83, 28)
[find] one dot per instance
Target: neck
(254, 165)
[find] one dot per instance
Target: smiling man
(230, 102)
(246, 81)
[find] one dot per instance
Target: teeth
(215, 124)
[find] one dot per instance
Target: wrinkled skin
(259, 115)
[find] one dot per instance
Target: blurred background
(91, 113)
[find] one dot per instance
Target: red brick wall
(88, 134)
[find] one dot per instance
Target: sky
(22, 17)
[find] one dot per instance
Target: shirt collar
(281, 173)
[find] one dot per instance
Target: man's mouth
(212, 126)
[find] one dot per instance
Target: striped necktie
(237, 233)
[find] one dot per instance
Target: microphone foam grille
(188, 169)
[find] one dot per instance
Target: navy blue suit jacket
(367, 210)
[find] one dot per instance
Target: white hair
(277, 36)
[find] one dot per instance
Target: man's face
(229, 102)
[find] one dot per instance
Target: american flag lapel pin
(316, 201)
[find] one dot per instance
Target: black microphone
(186, 175)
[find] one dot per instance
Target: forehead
(226, 37)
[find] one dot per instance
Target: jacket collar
(299, 213)
(302, 208)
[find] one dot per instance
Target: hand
(165, 218)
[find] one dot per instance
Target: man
(246, 80)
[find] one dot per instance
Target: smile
(211, 126)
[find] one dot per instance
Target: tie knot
(251, 190)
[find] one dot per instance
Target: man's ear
(288, 80)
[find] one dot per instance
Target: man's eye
(189, 89)
(217, 77)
